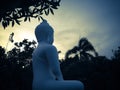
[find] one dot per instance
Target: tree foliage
(12, 11)
(98, 73)
(2, 56)
(22, 52)
(83, 50)
(15, 66)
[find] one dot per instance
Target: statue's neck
(43, 42)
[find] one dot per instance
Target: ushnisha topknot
(43, 30)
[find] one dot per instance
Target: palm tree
(74, 51)
(84, 50)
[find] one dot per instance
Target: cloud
(105, 39)
(66, 39)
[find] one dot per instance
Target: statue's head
(44, 32)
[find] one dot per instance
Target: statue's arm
(52, 57)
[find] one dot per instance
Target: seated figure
(46, 68)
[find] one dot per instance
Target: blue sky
(98, 20)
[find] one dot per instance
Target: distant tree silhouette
(22, 53)
(83, 50)
(2, 56)
(116, 68)
(11, 11)
(16, 70)
(116, 54)
(97, 73)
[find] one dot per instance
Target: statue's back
(41, 70)
(43, 78)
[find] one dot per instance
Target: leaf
(0, 19)
(25, 41)
(16, 44)
(35, 16)
(9, 19)
(46, 7)
(45, 12)
(38, 18)
(8, 23)
(4, 25)
(59, 52)
(13, 23)
(11, 37)
(51, 11)
(12, 41)
(29, 43)
(58, 3)
(41, 13)
(34, 10)
(17, 21)
(29, 19)
(41, 17)
(25, 19)
(20, 44)
(34, 42)
(54, 7)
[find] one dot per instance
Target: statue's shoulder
(51, 48)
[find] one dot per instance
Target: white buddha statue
(46, 68)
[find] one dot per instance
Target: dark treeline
(81, 62)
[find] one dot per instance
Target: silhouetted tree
(84, 50)
(116, 54)
(2, 56)
(16, 74)
(22, 53)
(116, 68)
(12, 11)
(96, 72)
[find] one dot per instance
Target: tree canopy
(83, 50)
(11, 11)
